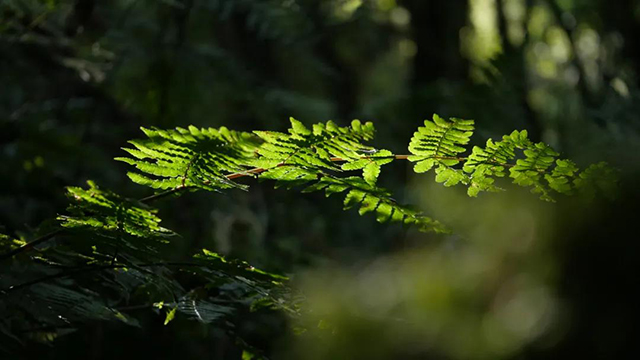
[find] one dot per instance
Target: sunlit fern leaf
(290, 176)
(449, 176)
(439, 142)
(486, 163)
(193, 157)
(530, 170)
(370, 164)
(560, 178)
(376, 200)
(109, 219)
(314, 148)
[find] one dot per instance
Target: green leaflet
(193, 157)
(171, 314)
(289, 176)
(439, 142)
(529, 171)
(370, 165)
(450, 177)
(484, 164)
(560, 178)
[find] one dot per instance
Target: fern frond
(370, 165)
(192, 157)
(439, 142)
(211, 159)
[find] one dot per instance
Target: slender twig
(250, 172)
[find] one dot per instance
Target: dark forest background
(520, 279)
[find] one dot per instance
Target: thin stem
(250, 172)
